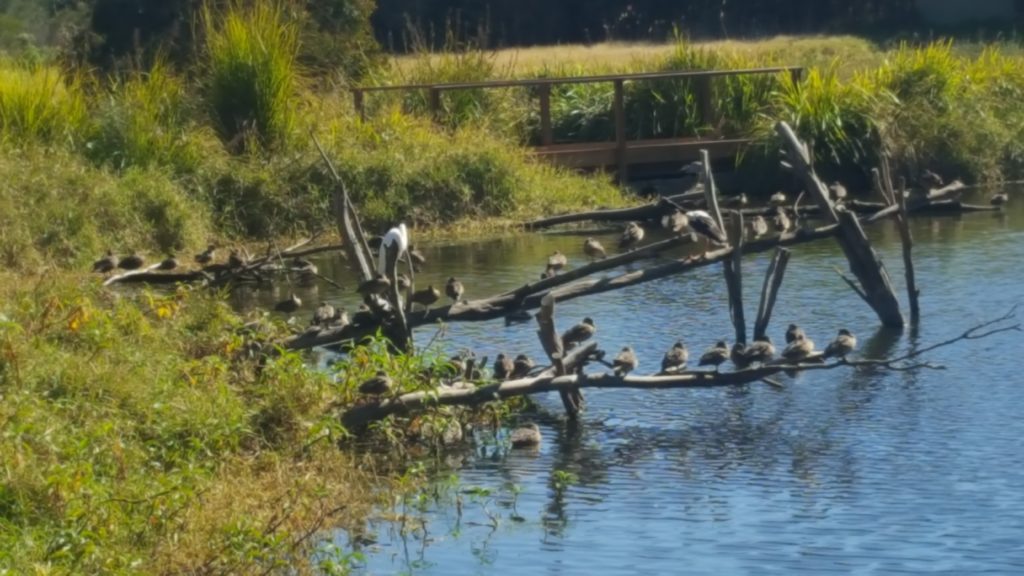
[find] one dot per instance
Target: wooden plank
(655, 151)
(546, 136)
(619, 110)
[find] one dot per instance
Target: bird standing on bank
(579, 333)
(206, 256)
(676, 357)
(631, 236)
(593, 249)
(625, 362)
(169, 263)
(715, 355)
(844, 343)
(454, 289)
(131, 262)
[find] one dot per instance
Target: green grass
(38, 103)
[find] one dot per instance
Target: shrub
(39, 103)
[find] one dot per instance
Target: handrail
(579, 79)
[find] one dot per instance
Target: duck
(838, 191)
(557, 261)
(593, 249)
(799, 349)
(676, 357)
(417, 257)
(738, 355)
(675, 222)
(777, 199)
(105, 264)
(999, 199)
(793, 332)
(169, 263)
(781, 220)
(340, 319)
(131, 262)
(715, 355)
(426, 297)
(631, 236)
(930, 180)
(289, 305)
(206, 256)
(844, 343)
(702, 223)
(758, 226)
(303, 265)
(454, 289)
(625, 361)
(376, 285)
(324, 315)
(521, 367)
(503, 367)
(527, 436)
(379, 385)
(579, 333)
(235, 260)
(760, 350)
(404, 283)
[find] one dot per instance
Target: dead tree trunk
(551, 340)
(772, 281)
(864, 262)
(731, 268)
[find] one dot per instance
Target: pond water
(842, 471)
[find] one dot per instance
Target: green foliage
(39, 103)
(251, 71)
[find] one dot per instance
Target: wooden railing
(588, 154)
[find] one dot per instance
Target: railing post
(357, 101)
(435, 104)
(795, 74)
(546, 137)
(620, 130)
(704, 105)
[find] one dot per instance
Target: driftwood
(883, 182)
(548, 381)
(772, 281)
(646, 212)
(731, 268)
(554, 347)
(864, 262)
(353, 240)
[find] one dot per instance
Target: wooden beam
(546, 136)
(619, 114)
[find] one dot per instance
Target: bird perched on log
(781, 220)
(761, 350)
(579, 333)
(631, 236)
(675, 222)
(131, 262)
(734, 201)
(702, 223)
(503, 367)
(105, 264)
(758, 226)
(715, 355)
(289, 305)
(340, 319)
(379, 385)
(844, 343)
(799, 349)
(417, 257)
(521, 367)
(676, 357)
(169, 263)
(527, 436)
(323, 315)
(454, 289)
(206, 256)
(793, 332)
(838, 191)
(235, 260)
(999, 199)
(625, 362)
(557, 261)
(426, 297)
(396, 240)
(777, 199)
(376, 285)
(593, 249)
(930, 180)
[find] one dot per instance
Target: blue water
(842, 471)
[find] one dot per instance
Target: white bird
(396, 236)
(702, 223)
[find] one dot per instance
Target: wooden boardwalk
(620, 153)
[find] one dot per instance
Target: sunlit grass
(39, 103)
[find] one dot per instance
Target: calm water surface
(841, 472)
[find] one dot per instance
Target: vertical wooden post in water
(546, 137)
(731, 267)
(865, 264)
(770, 290)
(619, 107)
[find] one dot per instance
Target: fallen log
(359, 416)
(650, 211)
